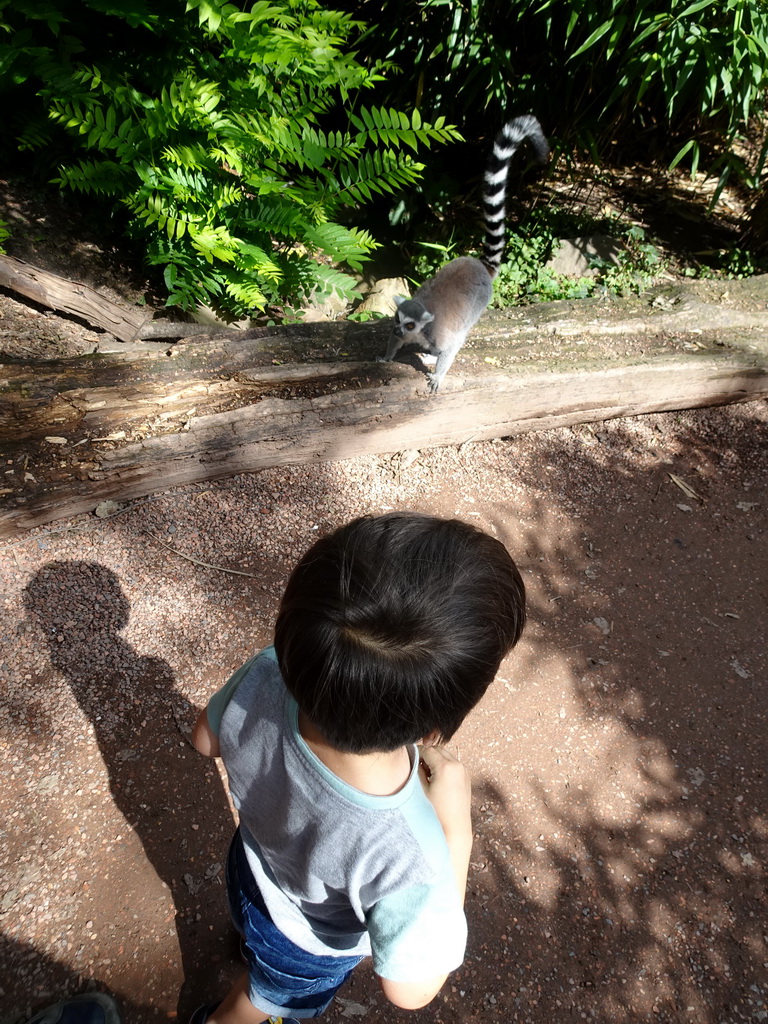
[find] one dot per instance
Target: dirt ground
(619, 761)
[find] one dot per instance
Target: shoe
(88, 1008)
(202, 1013)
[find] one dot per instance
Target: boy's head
(393, 627)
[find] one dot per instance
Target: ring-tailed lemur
(444, 309)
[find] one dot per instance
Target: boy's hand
(448, 788)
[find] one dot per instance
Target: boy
(353, 840)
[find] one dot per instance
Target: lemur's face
(410, 319)
(405, 325)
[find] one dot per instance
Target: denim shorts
(285, 980)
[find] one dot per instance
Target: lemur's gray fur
(444, 309)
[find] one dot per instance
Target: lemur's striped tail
(505, 145)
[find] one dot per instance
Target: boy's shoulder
(261, 673)
(262, 669)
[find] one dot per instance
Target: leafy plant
(525, 277)
(431, 256)
(522, 273)
(5, 234)
(238, 144)
(740, 263)
(734, 263)
(691, 59)
(697, 67)
(366, 315)
(634, 269)
(688, 73)
(461, 61)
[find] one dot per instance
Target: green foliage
(518, 283)
(5, 234)
(688, 73)
(460, 60)
(739, 263)
(292, 316)
(524, 276)
(236, 139)
(635, 269)
(690, 59)
(367, 315)
(735, 263)
(698, 68)
(431, 257)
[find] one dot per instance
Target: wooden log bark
(80, 431)
(125, 322)
(55, 292)
(347, 423)
(125, 390)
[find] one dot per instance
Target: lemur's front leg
(445, 358)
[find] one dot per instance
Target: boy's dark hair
(393, 627)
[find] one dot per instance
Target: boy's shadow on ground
(46, 981)
(157, 781)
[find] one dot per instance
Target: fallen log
(125, 322)
(80, 431)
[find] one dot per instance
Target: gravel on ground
(619, 761)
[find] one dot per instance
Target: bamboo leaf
(693, 8)
(689, 145)
(593, 38)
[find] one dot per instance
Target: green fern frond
(253, 259)
(342, 244)
(190, 156)
(281, 220)
(376, 173)
(190, 98)
(153, 210)
(36, 135)
(318, 149)
(216, 142)
(329, 280)
(245, 292)
(100, 177)
(392, 128)
(213, 243)
(261, 11)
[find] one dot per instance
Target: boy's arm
(448, 788)
(203, 736)
(411, 995)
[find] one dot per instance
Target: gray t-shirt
(342, 872)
